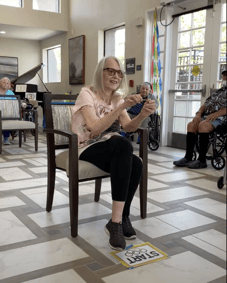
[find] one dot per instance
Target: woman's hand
(212, 117)
(132, 100)
(148, 108)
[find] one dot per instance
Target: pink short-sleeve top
(88, 98)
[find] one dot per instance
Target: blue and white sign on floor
(139, 255)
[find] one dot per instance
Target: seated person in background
(97, 115)
(212, 110)
(5, 86)
(145, 92)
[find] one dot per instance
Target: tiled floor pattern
(186, 219)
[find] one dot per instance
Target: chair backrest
(10, 106)
(58, 114)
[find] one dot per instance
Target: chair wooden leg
(98, 183)
(0, 143)
(36, 139)
(24, 132)
(143, 197)
(50, 187)
(73, 205)
(20, 138)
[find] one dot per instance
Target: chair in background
(11, 120)
(59, 136)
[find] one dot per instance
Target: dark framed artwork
(8, 67)
(77, 60)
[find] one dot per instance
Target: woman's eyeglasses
(112, 72)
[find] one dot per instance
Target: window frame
(104, 41)
(58, 12)
(48, 49)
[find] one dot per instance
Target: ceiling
(28, 33)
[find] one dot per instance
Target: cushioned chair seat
(86, 169)
(17, 125)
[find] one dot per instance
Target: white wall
(89, 17)
(27, 51)
(28, 17)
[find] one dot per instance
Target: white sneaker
(6, 142)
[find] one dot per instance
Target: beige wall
(88, 17)
(28, 17)
(27, 51)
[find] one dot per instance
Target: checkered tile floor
(186, 219)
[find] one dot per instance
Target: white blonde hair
(97, 83)
(4, 79)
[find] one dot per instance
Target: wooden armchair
(11, 120)
(59, 136)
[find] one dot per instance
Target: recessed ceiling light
(2, 31)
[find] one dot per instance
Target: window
(12, 3)
(222, 46)
(53, 64)
(114, 43)
(189, 68)
(48, 6)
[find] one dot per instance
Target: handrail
(202, 91)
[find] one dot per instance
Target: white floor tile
(167, 164)
(39, 256)
(2, 160)
(185, 267)
(12, 230)
(15, 156)
(154, 169)
(34, 191)
(206, 247)
(208, 185)
(38, 170)
(95, 235)
(41, 198)
(10, 174)
(175, 194)
(62, 176)
(23, 184)
(151, 185)
(183, 175)
(158, 158)
(153, 227)
(11, 164)
(211, 206)
(32, 144)
(213, 237)
(41, 160)
(17, 151)
(185, 219)
(210, 171)
(59, 216)
(69, 276)
(6, 202)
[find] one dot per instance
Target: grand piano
(21, 88)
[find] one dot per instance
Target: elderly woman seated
(5, 86)
(145, 92)
(209, 116)
(97, 115)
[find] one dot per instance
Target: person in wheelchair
(208, 118)
(145, 92)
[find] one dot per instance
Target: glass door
(200, 56)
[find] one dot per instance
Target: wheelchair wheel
(153, 145)
(220, 182)
(218, 162)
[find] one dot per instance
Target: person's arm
(96, 125)
(215, 115)
(132, 125)
(201, 110)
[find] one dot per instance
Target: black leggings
(116, 157)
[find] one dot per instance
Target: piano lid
(28, 75)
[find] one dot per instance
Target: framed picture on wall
(8, 67)
(77, 60)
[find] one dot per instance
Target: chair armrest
(67, 134)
